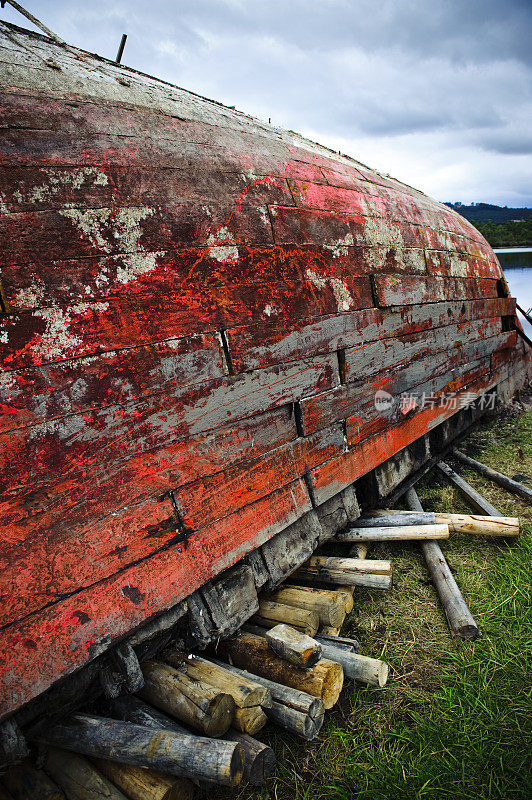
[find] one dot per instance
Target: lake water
(517, 265)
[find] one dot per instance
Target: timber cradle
(196, 311)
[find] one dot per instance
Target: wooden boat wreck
(219, 341)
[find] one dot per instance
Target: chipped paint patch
(222, 246)
(341, 247)
(343, 298)
(30, 296)
(269, 310)
(57, 341)
(3, 207)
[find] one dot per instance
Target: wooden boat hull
(197, 313)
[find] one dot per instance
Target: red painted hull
(197, 311)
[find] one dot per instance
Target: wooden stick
(363, 566)
(497, 477)
(259, 759)
(297, 712)
(342, 576)
(196, 704)
(246, 694)
(134, 710)
(250, 720)
(163, 750)
(327, 604)
(458, 523)
(359, 668)
(293, 646)
(324, 680)
(458, 615)
(140, 783)
(342, 642)
(471, 495)
(78, 778)
(393, 533)
(271, 614)
(23, 782)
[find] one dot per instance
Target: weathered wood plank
(393, 290)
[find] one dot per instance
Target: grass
(454, 719)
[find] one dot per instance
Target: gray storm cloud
(437, 93)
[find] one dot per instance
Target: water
(517, 266)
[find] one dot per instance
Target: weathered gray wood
(13, 745)
(341, 642)
(221, 606)
(497, 477)
(293, 710)
(327, 604)
(199, 705)
(458, 615)
(24, 782)
(133, 709)
(286, 695)
(458, 523)
(259, 759)
(360, 668)
(245, 693)
(140, 783)
(347, 572)
(164, 750)
(293, 646)
(393, 533)
(272, 614)
(378, 519)
(78, 778)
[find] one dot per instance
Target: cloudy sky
(437, 93)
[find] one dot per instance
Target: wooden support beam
(259, 759)
(198, 705)
(23, 782)
(78, 778)
(458, 523)
(347, 572)
(357, 667)
(327, 604)
(497, 477)
(293, 646)
(296, 711)
(134, 710)
(471, 495)
(271, 614)
(393, 533)
(163, 750)
(139, 783)
(458, 615)
(245, 693)
(251, 652)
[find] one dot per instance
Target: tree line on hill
(501, 226)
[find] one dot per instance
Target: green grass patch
(454, 720)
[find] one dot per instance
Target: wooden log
(328, 605)
(271, 614)
(140, 783)
(359, 550)
(249, 720)
(460, 619)
(341, 642)
(356, 565)
(78, 778)
(164, 750)
(205, 709)
(24, 782)
(259, 759)
(394, 533)
(481, 526)
(329, 630)
(328, 575)
(497, 477)
(324, 680)
(471, 495)
(296, 711)
(359, 668)
(245, 693)
(458, 523)
(293, 646)
(346, 593)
